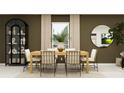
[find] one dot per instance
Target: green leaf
(62, 37)
(118, 33)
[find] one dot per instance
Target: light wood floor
(105, 71)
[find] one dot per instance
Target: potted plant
(118, 33)
(61, 38)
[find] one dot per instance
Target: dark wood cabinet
(16, 42)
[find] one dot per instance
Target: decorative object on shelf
(118, 33)
(22, 33)
(9, 32)
(101, 37)
(9, 52)
(23, 41)
(14, 60)
(14, 31)
(22, 50)
(16, 42)
(14, 51)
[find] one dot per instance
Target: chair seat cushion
(84, 59)
(47, 62)
(36, 59)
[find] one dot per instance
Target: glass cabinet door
(23, 45)
(16, 42)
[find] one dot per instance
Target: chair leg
(94, 65)
(66, 69)
(40, 69)
(54, 69)
(82, 66)
(97, 66)
(24, 68)
(80, 69)
(36, 64)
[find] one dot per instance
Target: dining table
(34, 54)
(63, 53)
(86, 54)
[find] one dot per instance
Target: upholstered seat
(92, 58)
(73, 59)
(29, 58)
(47, 60)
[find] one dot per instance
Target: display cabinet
(16, 42)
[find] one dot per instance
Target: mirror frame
(97, 30)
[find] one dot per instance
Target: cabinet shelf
(16, 44)
(17, 54)
(16, 41)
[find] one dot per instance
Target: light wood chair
(70, 49)
(29, 58)
(92, 58)
(73, 59)
(47, 59)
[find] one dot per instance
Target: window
(60, 33)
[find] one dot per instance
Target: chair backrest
(47, 57)
(27, 55)
(73, 57)
(93, 54)
(70, 49)
(51, 49)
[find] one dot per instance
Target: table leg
(30, 65)
(87, 64)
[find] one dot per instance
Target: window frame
(68, 33)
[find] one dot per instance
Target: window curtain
(75, 31)
(45, 32)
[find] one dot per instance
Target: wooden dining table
(57, 53)
(34, 54)
(86, 54)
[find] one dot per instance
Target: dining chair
(73, 59)
(51, 49)
(92, 58)
(29, 58)
(70, 49)
(47, 60)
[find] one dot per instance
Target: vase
(60, 46)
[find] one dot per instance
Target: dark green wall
(60, 18)
(34, 32)
(87, 23)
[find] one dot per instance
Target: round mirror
(101, 37)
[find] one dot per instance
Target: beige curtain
(75, 31)
(45, 32)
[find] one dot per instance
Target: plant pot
(60, 49)
(60, 46)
